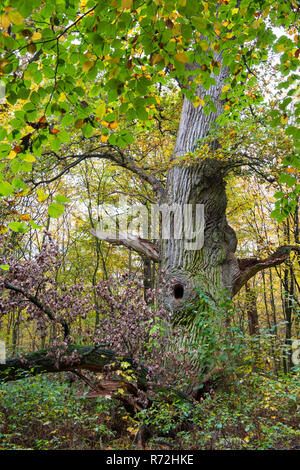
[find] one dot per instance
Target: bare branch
(37, 303)
(143, 247)
(112, 154)
(250, 266)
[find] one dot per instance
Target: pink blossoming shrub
(65, 314)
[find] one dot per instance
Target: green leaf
(18, 183)
(18, 227)
(55, 210)
(288, 179)
(5, 267)
(87, 130)
(6, 188)
(34, 225)
(199, 22)
(61, 199)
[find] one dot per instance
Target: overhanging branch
(143, 247)
(112, 154)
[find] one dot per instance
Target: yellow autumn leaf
(182, 3)
(23, 193)
(291, 170)
(25, 217)
(41, 195)
(126, 3)
(100, 110)
(113, 125)
(131, 430)
(104, 138)
(234, 11)
(29, 158)
(280, 48)
(3, 229)
(4, 21)
(36, 36)
(156, 59)
(225, 88)
(284, 119)
(11, 155)
(182, 57)
(62, 97)
(198, 101)
(204, 45)
(28, 76)
(83, 4)
(215, 46)
(16, 18)
(87, 65)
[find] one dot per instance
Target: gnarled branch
(143, 247)
(112, 154)
(89, 358)
(250, 266)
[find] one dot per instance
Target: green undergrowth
(248, 411)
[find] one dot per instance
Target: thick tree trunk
(213, 266)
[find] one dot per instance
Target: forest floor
(252, 411)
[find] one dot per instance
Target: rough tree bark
(214, 264)
(214, 267)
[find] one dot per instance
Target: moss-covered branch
(87, 358)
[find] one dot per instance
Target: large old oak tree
(84, 66)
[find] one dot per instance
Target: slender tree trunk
(288, 282)
(147, 277)
(252, 310)
(15, 332)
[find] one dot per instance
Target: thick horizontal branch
(143, 247)
(89, 358)
(250, 266)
